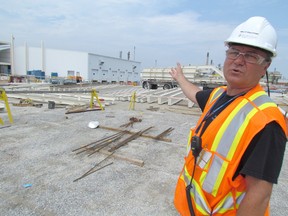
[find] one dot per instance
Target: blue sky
(163, 32)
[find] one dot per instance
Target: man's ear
(267, 65)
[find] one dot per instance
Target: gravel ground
(37, 165)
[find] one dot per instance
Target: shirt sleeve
(202, 98)
(264, 156)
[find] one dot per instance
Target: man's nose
(240, 58)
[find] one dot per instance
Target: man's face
(244, 70)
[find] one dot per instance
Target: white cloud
(160, 29)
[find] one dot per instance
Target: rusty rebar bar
(99, 142)
(92, 169)
(92, 172)
(132, 137)
(164, 133)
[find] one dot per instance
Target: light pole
(12, 55)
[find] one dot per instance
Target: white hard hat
(256, 32)
(93, 124)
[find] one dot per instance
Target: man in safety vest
(235, 152)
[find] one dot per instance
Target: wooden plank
(81, 109)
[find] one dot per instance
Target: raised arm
(187, 87)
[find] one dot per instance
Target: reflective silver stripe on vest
(201, 205)
(217, 94)
(232, 130)
(196, 197)
(227, 141)
(228, 204)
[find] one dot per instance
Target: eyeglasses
(252, 58)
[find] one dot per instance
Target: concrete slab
(37, 151)
(37, 165)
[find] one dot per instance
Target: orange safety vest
(224, 142)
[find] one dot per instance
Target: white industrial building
(63, 63)
(5, 60)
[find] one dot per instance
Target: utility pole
(43, 56)
(26, 57)
(12, 55)
(128, 55)
(207, 58)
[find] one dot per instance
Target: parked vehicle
(207, 76)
